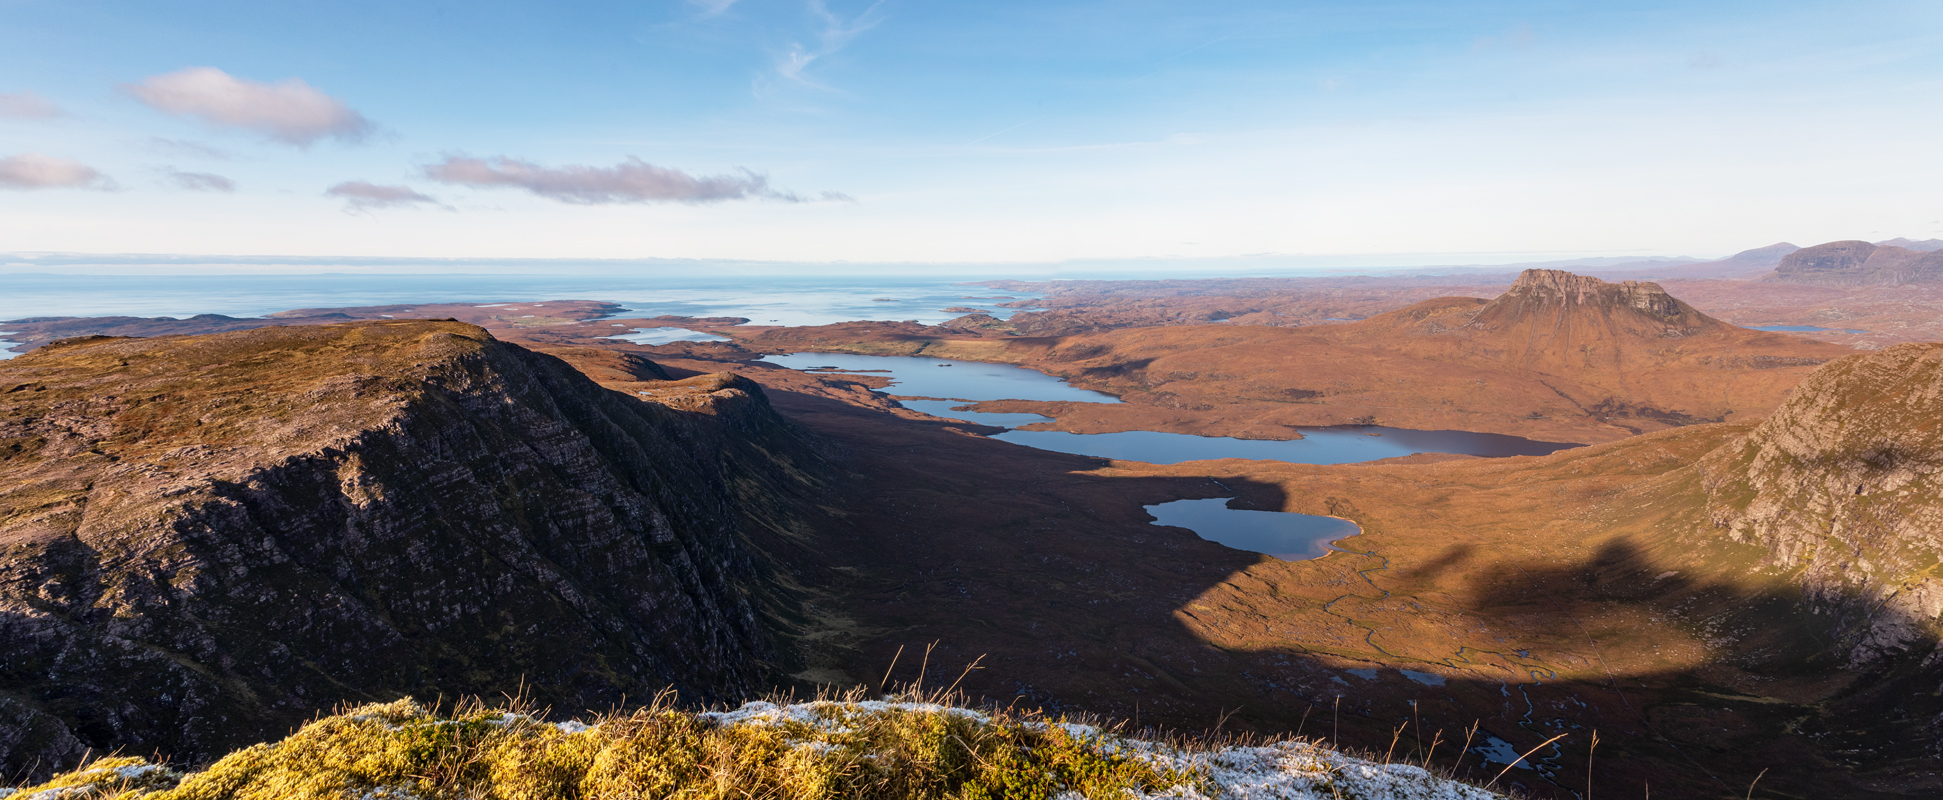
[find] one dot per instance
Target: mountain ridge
(206, 538)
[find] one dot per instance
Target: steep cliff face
(1844, 484)
(204, 539)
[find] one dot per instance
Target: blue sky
(895, 131)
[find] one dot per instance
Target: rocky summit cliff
(1568, 303)
(1858, 263)
(206, 539)
(1844, 486)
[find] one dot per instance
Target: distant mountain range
(1856, 263)
(1745, 264)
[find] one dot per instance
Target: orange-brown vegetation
(1557, 357)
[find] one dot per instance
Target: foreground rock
(202, 539)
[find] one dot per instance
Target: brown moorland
(1558, 357)
(1594, 589)
(1536, 596)
(1536, 590)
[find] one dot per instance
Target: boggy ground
(1568, 594)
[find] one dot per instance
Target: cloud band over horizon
(631, 181)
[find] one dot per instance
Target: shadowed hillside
(206, 539)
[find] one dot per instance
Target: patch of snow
(1301, 771)
(1291, 770)
(826, 716)
(573, 726)
(1367, 673)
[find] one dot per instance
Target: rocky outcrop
(205, 539)
(1841, 485)
(1553, 294)
(1858, 263)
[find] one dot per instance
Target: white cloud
(631, 181)
(364, 196)
(200, 181)
(290, 111)
(27, 105)
(834, 35)
(36, 171)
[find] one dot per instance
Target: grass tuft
(840, 747)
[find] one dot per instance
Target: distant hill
(1925, 246)
(1745, 263)
(1859, 263)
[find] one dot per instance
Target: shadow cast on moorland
(1045, 566)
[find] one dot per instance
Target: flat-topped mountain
(1556, 296)
(1858, 263)
(206, 539)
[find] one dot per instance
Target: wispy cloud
(37, 171)
(365, 196)
(289, 111)
(833, 34)
(199, 181)
(182, 147)
(27, 105)
(631, 181)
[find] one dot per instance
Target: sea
(763, 299)
(781, 300)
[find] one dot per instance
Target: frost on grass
(850, 748)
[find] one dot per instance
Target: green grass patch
(836, 748)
